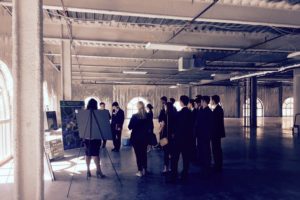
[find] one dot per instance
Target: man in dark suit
(102, 107)
(191, 107)
(203, 131)
(218, 133)
(162, 112)
(182, 139)
(117, 122)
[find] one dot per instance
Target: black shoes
(115, 150)
(88, 175)
(99, 174)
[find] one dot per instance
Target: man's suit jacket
(184, 127)
(218, 123)
(204, 123)
(117, 120)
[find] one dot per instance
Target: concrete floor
(262, 164)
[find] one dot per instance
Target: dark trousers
(194, 151)
(204, 153)
(185, 152)
(117, 139)
(140, 150)
(217, 153)
(167, 155)
(104, 143)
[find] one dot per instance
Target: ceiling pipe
(281, 69)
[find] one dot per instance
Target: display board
(51, 120)
(70, 132)
(89, 123)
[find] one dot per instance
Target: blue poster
(70, 131)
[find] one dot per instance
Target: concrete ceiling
(231, 36)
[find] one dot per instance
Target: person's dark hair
(102, 103)
(172, 100)
(92, 105)
(164, 98)
(116, 104)
(184, 99)
(192, 101)
(198, 100)
(198, 96)
(216, 99)
(149, 106)
(206, 99)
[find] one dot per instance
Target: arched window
(288, 107)
(177, 105)
(132, 105)
(87, 99)
(259, 108)
(5, 113)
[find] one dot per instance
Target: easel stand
(92, 117)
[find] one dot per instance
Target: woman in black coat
(167, 131)
(140, 126)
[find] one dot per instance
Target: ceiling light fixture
(173, 86)
(294, 54)
(122, 82)
(251, 75)
(165, 47)
(135, 72)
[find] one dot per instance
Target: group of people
(194, 132)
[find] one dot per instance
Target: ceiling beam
(182, 10)
(142, 46)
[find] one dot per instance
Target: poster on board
(70, 131)
(94, 125)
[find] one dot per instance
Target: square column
(66, 61)
(253, 100)
(296, 88)
(28, 118)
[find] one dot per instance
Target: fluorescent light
(173, 86)
(122, 82)
(294, 54)
(281, 69)
(251, 75)
(165, 47)
(213, 75)
(135, 72)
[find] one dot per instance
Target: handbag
(164, 141)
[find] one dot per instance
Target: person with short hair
(198, 102)
(203, 131)
(191, 107)
(92, 147)
(218, 132)
(182, 138)
(140, 125)
(166, 131)
(117, 122)
(163, 101)
(172, 100)
(102, 107)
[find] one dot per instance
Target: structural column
(28, 99)
(253, 99)
(238, 101)
(66, 60)
(280, 101)
(296, 86)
